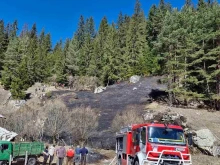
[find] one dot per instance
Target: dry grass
(205, 160)
(198, 118)
(79, 83)
(128, 117)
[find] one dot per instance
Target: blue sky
(60, 17)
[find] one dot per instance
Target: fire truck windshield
(166, 136)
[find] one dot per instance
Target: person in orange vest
(70, 155)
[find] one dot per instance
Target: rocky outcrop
(207, 142)
(134, 79)
(99, 89)
(165, 117)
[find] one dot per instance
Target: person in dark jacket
(46, 155)
(83, 153)
(77, 154)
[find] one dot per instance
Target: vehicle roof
(135, 126)
(4, 141)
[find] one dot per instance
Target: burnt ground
(115, 98)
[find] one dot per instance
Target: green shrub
(48, 94)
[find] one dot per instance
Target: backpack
(70, 153)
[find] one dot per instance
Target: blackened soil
(115, 98)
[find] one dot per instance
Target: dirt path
(198, 159)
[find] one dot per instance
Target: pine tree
(21, 81)
(135, 41)
(2, 43)
(13, 30)
(32, 54)
(201, 4)
(120, 40)
(59, 68)
(87, 48)
(16, 88)
(43, 48)
(162, 4)
(209, 59)
(156, 17)
(120, 20)
(188, 3)
(66, 47)
(200, 60)
(112, 63)
(137, 9)
(24, 31)
(148, 63)
(72, 58)
(152, 29)
(94, 65)
(97, 57)
(210, 2)
(90, 27)
(80, 33)
(65, 54)
(11, 62)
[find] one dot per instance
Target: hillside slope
(115, 98)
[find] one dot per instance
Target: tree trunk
(218, 77)
(169, 88)
(54, 139)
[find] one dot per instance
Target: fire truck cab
(152, 144)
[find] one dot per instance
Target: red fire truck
(152, 144)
